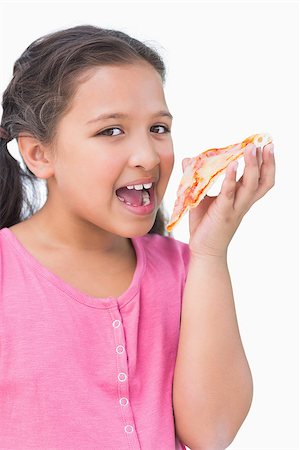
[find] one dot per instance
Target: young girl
(113, 335)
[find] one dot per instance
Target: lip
(139, 181)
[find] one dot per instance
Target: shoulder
(4, 246)
(166, 249)
(8, 245)
(2, 243)
(166, 243)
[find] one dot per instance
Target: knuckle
(267, 184)
(252, 187)
(272, 184)
(229, 190)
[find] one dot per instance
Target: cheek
(166, 167)
(167, 162)
(171, 160)
(81, 179)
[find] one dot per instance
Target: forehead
(125, 88)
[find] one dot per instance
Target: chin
(136, 230)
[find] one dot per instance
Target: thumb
(197, 213)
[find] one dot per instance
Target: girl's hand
(214, 221)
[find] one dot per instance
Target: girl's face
(95, 156)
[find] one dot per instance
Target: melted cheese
(202, 171)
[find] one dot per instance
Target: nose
(145, 153)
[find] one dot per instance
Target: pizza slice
(203, 170)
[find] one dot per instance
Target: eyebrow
(122, 116)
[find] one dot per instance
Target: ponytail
(12, 188)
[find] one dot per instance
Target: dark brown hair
(44, 81)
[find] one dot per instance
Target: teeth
(130, 204)
(139, 187)
(146, 199)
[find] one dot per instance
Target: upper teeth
(139, 187)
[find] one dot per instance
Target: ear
(37, 157)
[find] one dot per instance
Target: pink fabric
(79, 372)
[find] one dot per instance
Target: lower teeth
(146, 200)
(131, 204)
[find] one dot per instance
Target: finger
(259, 156)
(248, 183)
(251, 172)
(228, 189)
(267, 173)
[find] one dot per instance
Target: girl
(113, 335)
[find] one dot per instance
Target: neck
(58, 230)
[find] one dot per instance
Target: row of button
(122, 377)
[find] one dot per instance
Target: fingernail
(271, 148)
(254, 151)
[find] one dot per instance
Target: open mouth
(134, 197)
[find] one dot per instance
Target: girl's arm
(212, 390)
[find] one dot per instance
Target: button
(120, 349)
(124, 401)
(128, 429)
(116, 323)
(122, 376)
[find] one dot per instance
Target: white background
(232, 71)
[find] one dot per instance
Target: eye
(167, 130)
(107, 132)
(110, 131)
